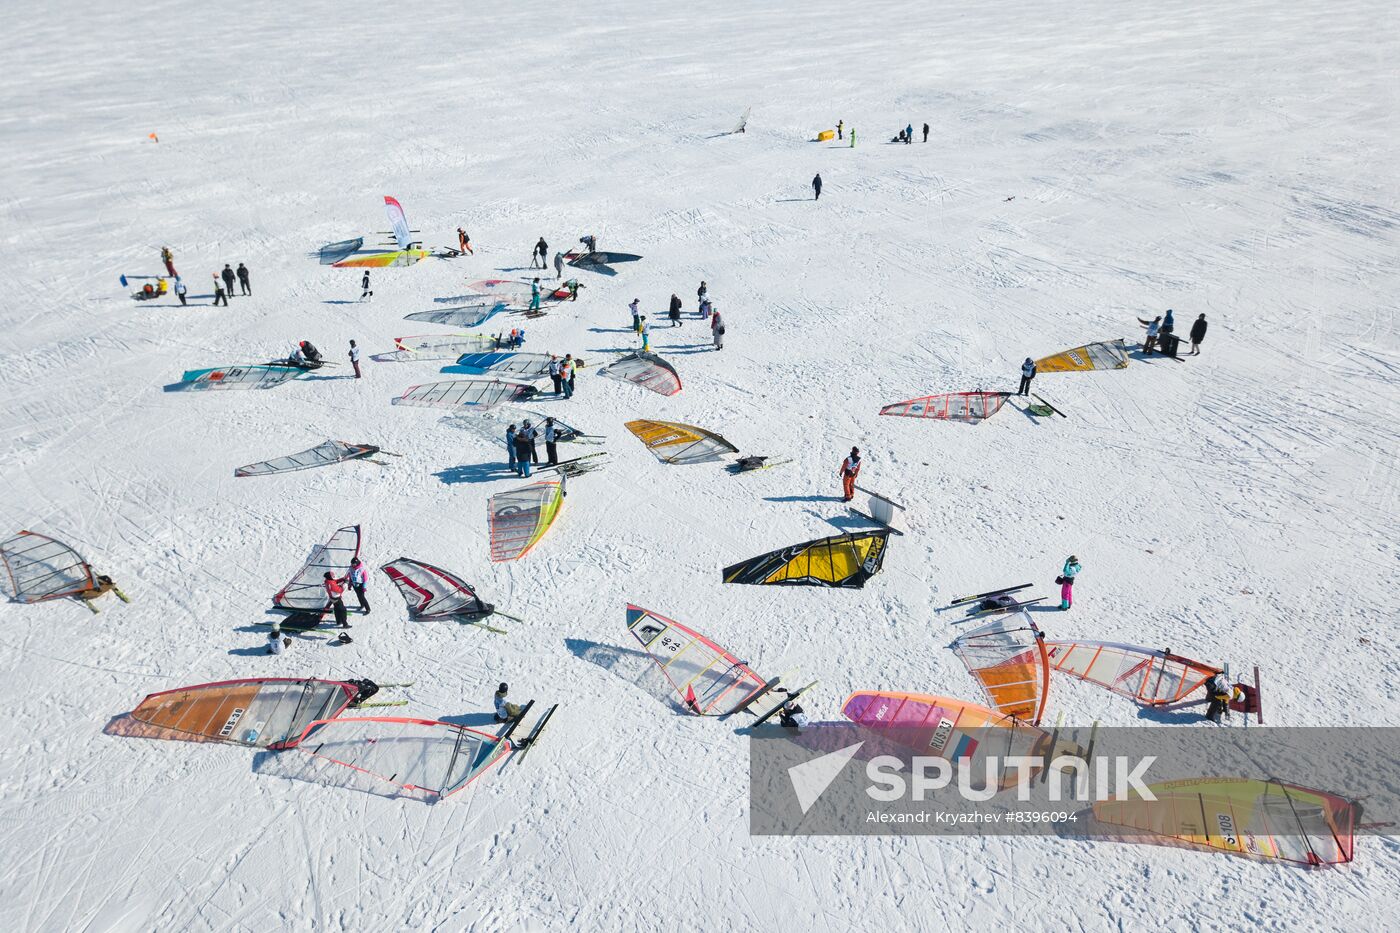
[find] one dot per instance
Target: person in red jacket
(850, 469)
(335, 592)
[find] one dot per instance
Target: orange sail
(1142, 674)
(1008, 658)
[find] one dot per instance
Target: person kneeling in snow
(505, 711)
(1221, 692)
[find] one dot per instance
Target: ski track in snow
(1238, 506)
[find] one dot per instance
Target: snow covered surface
(1235, 159)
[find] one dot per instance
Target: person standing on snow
(817, 181)
(529, 432)
(228, 278)
(675, 312)
(540, 257)
(244, 288)
(717, 330)
(636, 315)
(701, 292)
(510, 450)
(551, 451)
(558, 265)
(180, 290)
(1027, 374)
(505, 710)
(364, 287)
(219, 293)
(909, 134)
(1066, 581)
(556, 373)
(1154, 327)
(522, 453)
(535, 295)
(464, 242)
(853, 137)
(167, 257)
(925, 132)
(644, 330)
(839, 127)
(335, 592)
(567, 372)
(359, 579)
(355, 358)
(1198, 329)
(850, 469)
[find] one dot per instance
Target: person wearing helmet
(1027, 374)
(1066, 581)
(275, 641)
(505, 710)
(850, 469)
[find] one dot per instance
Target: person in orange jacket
(850, 469)
(335, 594)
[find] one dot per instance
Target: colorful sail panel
(321, 455)
(432, 592)
(422, 759)
(964, 733)
(708, 680)
(1243, 816)
(1106, 354)
(463, 393)
(333, 253)
(41, 568)
(844, 561)
(383, 260)
(398, 222)
(646, 370)
(1141, 674)
(971, 407)
(265, 712)
(307, 591)
(672, 442)
(238, 377)
(1008, 658)
(519, 518)
(522, 365)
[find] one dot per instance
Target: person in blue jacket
(510, 449)
(1066, 581)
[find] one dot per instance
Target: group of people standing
(706, 311)
(1160, 336)
(521, 445)
(563, 373)
(223, 281)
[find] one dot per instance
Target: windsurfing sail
(462, 316)
(264, 712)
(239, 377)
(646, 370)
(419, 758)
(709, 680)
(320, 455)
(490, 424)
(398, 222)
(743, 121)
(383, 259)
(513, 290)
(524, 365)
(444, 346)
(672, 442)
(307, 591)
(432, 592)
(1244, 816)
(964, 733)
(518, 518)
(465, 392)
(1141, 674)
(971, 407)
(1106, 354)
(1008, 658)
(333, 253)
(844, 561)
(41, 568)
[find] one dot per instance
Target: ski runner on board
(850, 469)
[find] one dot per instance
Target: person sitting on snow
(505, 711)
